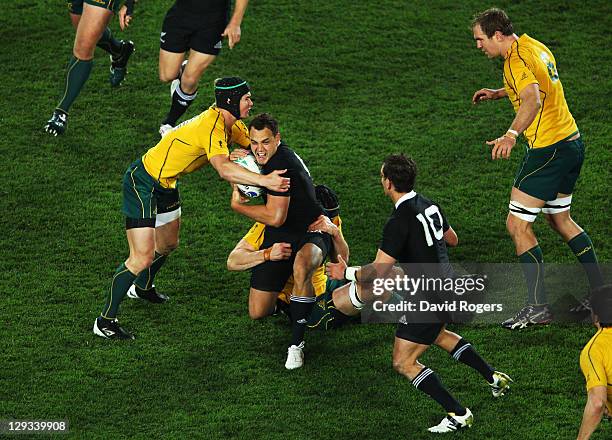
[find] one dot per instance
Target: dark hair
(264, 120)
(401, 171)
(601, 304)
(328, 200)
(493, 20)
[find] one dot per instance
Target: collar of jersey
(403, 198)
(514, 44)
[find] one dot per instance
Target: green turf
(350, 82)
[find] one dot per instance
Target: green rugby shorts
(545, 172)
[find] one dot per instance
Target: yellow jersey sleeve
(255, 236)
(216, 143)
(187, 148)
(520, 72)
(240, 135)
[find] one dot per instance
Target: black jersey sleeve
(394, 238)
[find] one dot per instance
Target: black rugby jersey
(414, 232)
(303, 206)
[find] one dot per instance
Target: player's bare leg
(169, 65)
(523, 212)
(142, 246)
(308, 258)
(89, 29)
(558, 217)
(343, 302)
(261, 303)
(166, 241)
(463, 351)
(185, 77)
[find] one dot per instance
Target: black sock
(180, 103)
(282, 306)
(109, 43)
(582, 247)
(464, 352)
(533, 269)
(300, 308)
(427, 381)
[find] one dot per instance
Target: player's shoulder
(524, 50)
(241, 126)
(597, 345)
(211, 116)
(283, 158)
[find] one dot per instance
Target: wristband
(512, 133)
(350, 273)
(267, 253)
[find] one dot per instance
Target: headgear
(328, 200)
(228, 92)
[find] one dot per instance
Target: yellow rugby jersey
(190, 146)
(255, 238)
(528, 62)
(596, 362)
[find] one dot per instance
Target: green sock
(109, 43)
(76, 76)
(122, 280)
(146, 277)
(533, 268)
(582, 247)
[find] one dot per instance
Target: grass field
(350, 83)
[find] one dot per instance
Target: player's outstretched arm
(593, 411)
(488, 94)
(244, 256)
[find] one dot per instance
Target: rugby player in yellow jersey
(553, 157)
(248, 253)
(596, 363)
(151, 201)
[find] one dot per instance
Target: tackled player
(151, 201)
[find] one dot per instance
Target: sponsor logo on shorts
(219, 45)
(161, 37)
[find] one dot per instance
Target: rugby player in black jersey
(417, 234)
(287, 217)
(197, 26)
